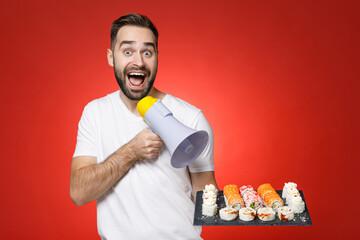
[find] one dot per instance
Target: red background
(277, 80)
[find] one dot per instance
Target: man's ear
(110, 58)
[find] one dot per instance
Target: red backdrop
(277, 80)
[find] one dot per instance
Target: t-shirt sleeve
(205, 162)
(86, 138)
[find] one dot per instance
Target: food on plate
(285, 214)
(210, 187)
(270, 197)
(247, 214)
(245, 188)
(232, 197)
(266, 214)
(228, 214)
(251, 198)
(209, 206)
(286, 187)
(297, 204)
(290, 193)
(293, 198)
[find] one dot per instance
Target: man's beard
(121, 80)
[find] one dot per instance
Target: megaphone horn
(184, 144)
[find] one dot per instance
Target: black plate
(301, 219)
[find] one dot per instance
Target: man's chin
(136, 95)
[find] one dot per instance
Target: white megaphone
(184, 144)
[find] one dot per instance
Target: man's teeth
(137, 74)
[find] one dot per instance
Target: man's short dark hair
(133, 19)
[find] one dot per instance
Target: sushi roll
(286, 187)
(228, 214)
(209, 206)
(290, 193)
(209, 194)
(210, 188)
(270, 197)
(232, 197)
(285, 214)
(245, 188)
(247, 214)
(266, 214)
(253, 200)
(265, 188)
(297, 204)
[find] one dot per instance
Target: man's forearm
(91, 182)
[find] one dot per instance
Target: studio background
(277, 81)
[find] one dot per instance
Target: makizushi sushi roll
(266, 214)
(270, 197)
(245, 188)
(290, 193)
(209, 206)
(228, 214)
(273, 201)
(209, 194)
(285, 214)
(253, 200)
(211, 188)
(286, 187)
(247, 214)
(297, 204)
(265, 188)
(232, 197)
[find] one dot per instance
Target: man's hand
(90, 180)
(146, 145)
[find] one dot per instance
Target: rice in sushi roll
(290, 193)
(266, 214)
(228, 214)
(286, 187)
(211, 188)
(247, 214)
(297, 204)
(209, 206)
(209, 194)
(285, 214)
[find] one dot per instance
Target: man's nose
(138, 60)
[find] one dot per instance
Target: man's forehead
(135, 34)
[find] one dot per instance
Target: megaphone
(184, 144)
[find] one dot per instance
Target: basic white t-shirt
(153, 200)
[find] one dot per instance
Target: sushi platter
(202, 218)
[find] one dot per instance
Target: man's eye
(147, 53)
(127, 52)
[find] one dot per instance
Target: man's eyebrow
(151, 44)
(126, 42)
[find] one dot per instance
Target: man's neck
(131, 104)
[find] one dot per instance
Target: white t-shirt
(153, 200)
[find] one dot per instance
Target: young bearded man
(125, 167)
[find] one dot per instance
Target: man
(125, 167)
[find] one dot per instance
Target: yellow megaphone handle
(144, 104)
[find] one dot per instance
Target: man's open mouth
(136, 79)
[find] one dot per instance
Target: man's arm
(90, 180)
(200, 179)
